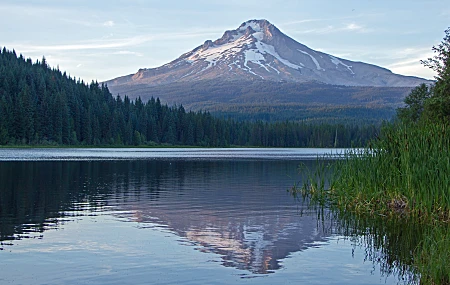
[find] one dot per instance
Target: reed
(432, 258)
(404, 175)
(406, 172)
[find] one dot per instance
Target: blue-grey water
(169, 216)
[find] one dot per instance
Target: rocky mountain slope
(259, 50)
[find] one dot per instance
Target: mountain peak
(256, 25)
(259, 50)
(257, 28)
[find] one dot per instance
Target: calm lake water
(169, 216)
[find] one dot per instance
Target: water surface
(167, 216)
(78, 154)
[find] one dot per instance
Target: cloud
(412, 67)
(108, 42)
(320, 31)
(350, 27)
(127, 52)
(407, 61)
(353, 27)
(357, 16)
(302, 21)
(88, 45)
(413, 53)
(108, 24)
(88, 23)
(445, 14)
(29, 9)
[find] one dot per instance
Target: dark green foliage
(415, 103)
(437, 107)
(404, 175)
(403, 179)
(310, 113)
(40, 106)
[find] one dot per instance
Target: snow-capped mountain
(259, 50)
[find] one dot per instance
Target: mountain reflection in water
(239, 210)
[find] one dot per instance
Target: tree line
(274, 101)
(40, 105)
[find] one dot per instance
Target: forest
(274, 101)
(44, 106)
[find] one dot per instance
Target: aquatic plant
(406, 172)
(402, 178)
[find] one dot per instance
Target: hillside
(44, 106)
(272, 101)
(258, 72)
(258, 50)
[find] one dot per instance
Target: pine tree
(437, 107)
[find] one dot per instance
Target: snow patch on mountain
(313, 59)
(336, 61)
(259, 36)
(273, 68)
(268, 49)
(254, 24)
(258, 49)
(255, 57)
(245, 46)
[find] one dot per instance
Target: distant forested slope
(274, 101)
(44, 106)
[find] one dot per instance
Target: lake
(171, 216)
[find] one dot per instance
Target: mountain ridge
(257, 49)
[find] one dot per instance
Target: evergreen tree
(39, 105)
(415, 103)
(437, 107)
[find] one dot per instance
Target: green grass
(433, 256)
(405, 172)
(402, 177)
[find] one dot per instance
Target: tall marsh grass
(405, 172)
(402, 177)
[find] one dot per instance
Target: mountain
(257, 72)
(258, 50)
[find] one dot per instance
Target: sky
(101, 40)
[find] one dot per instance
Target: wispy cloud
(88, 45)
(445, 14)
(353, 27)
(349, 27)
(357, 16)
(411, 53)
(406, 61)
(127, 52)
(109, 43)
(32, 10)
(108, 24)
(301, 22)
(322, 30)
(89, 23)
(412, 66)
